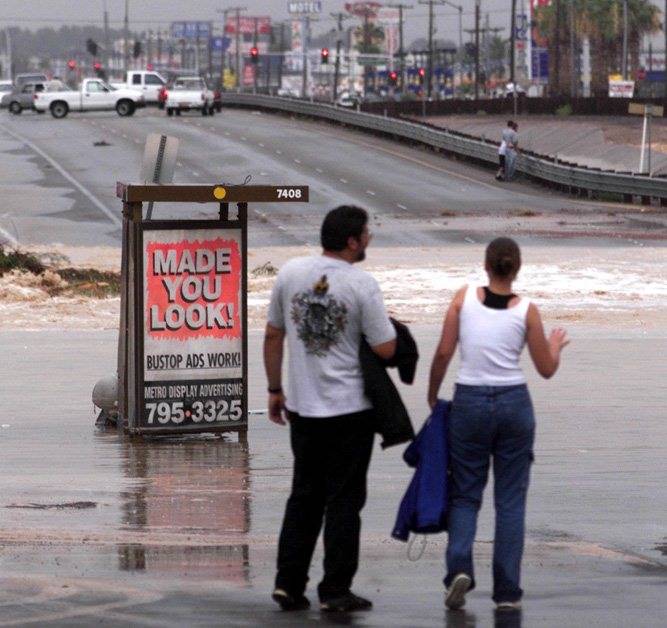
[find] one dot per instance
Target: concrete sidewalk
(97, 528)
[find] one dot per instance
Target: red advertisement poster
(193, 326)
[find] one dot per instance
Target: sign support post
(183, 340)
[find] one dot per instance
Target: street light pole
(624, 65)
(401, 48)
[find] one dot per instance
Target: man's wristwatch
(275, 391)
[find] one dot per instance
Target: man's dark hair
(503, 258)
(340, 224)
(510, 123)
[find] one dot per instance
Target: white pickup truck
(93, 95)
(189, 92)
(147, 82)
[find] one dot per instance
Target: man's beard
(361, 255)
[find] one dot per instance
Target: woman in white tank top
(491, 418)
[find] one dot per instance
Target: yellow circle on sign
(219, 193)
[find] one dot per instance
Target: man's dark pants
(331, 457)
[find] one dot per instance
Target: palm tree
(602, 22)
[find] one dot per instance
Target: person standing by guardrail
(491, 415)
(323, 306)
(512, 151)
(509, 142)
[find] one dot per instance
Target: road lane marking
(85, 191)
(370, 192)
(320, 170)
(343, 180)
(244, 139)
(401, 206)
(261, 145)
(297, 161)
(279, 152)
(413, 160)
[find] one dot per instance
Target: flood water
(90, 514)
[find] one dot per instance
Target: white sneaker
(456, 594)
(508, 606)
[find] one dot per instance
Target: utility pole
(574, 83)
(223, 54)
(305, 42)
(477, 16)
(255, 70)
(664, 28)
(107, 49)
(515, 94)
(340, 17)
(624, 64)
(401, 49)
(459, 7)
(236, 10)
(556, 89)
(429, 61)
(126, 36)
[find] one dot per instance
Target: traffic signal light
(393, 78)
(71, 64)
(99, 70)
(91, 47)
(136, 51)
(324, 56)
(422, 73)
(254, 55)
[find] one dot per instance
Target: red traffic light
(71, 64)
(150, 67)
(254, 54)
(393, 77)
(422, 72)
(324, 55)
(97, 66)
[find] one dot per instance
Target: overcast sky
(145, 14)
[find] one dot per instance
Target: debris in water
(101, 143)
(75, 505)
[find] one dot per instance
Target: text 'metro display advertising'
(193, 336)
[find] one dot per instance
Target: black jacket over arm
(391, 418)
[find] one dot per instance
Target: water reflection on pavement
(193, 488)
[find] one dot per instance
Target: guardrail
(569, 177)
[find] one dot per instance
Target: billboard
(192, 338)
(247, 25)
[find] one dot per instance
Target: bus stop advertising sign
(182, 358)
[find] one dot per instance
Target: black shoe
(289, 602)
(347, 603)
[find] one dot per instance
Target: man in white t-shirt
(324, 306)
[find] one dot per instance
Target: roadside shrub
(565, 110)
(17, 260)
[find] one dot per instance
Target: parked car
(23, 98)
(346, 99)
(148, 83)
(6, 87)
(32, 77)
(189, 93)
(93, 95)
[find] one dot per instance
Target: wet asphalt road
(59, 187)
(183, 532)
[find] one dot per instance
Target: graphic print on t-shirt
(319, 318)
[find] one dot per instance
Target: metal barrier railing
(539, 167)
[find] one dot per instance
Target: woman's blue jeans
(490, 422)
